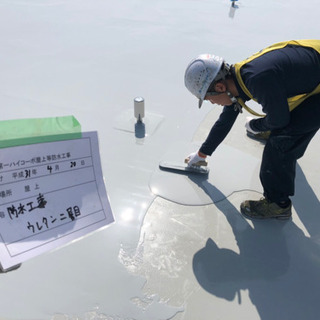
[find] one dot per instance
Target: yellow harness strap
(242, 104)
(293, 102)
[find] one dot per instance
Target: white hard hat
(200, 73)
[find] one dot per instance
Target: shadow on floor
(277, 263)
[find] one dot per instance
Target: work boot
(264, 209)
(260, 136)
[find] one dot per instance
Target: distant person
(285, 79)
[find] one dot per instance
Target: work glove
(194, 159)
(247, 125)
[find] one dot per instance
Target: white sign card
(50, 194)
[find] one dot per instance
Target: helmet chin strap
(231, 96)
(234, 101)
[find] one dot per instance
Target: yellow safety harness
(293, 102)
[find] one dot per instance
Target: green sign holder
(31, 131)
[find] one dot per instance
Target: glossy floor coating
(179, 249)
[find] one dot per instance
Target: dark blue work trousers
(285, 146)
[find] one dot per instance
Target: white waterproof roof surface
(179, 248)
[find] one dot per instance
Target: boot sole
(280, 217)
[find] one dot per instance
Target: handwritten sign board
(50, 194)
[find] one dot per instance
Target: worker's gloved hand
(195, 159)
(247, 125)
